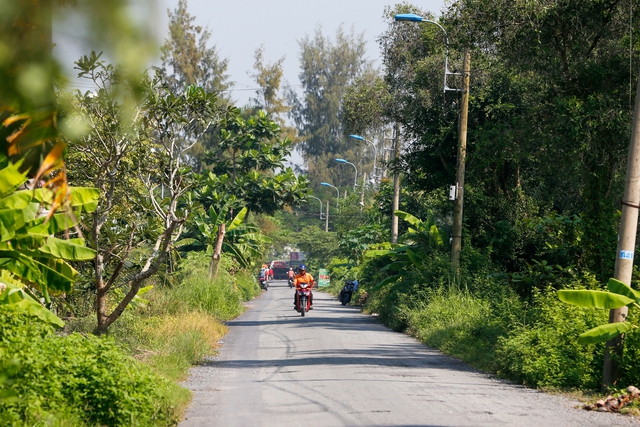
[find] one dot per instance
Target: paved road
(337, 367)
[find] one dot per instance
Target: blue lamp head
(409, 17)
(326, 184)
(358, 137)
(341, 161)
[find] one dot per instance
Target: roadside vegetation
(133, 215)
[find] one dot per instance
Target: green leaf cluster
(618, 295)
(83, 378)
(31, 257)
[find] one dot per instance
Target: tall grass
(221, 298)
(179, 325)
(457, 323)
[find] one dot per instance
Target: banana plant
(618, 295)
(31, 257)
(243, 242)
(420, 236)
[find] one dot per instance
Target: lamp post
(314, 197)
(355, 180)
(456, 242)
(375, 152)
(326, 184)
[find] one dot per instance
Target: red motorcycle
(303, 298)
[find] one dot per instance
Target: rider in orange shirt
(303, 277)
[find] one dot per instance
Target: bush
(543, 350)
(196, 292)
(76, 379)
(459, 324)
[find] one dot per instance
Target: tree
(269, 78)
(327, 69)
(137, 159)
(192, 63)
(249, 165)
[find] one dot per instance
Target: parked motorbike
(263, 283)
(346, 292)
(303, 300)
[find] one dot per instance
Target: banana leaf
(594, 299)
(238, 219)
(620, 288)
(11, 179)
(388, 280)
(56, 224)
(604, 333)
(67, 250)
(415, 260)
(85, 198)
(10, 221)
(409, 218)
(19, 299)
(17, 200)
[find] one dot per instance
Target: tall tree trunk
(217, 252)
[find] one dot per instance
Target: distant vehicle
(280, 270)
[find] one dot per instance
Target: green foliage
(222, 298)
(354, 243)
(459, 323)
(242, 241)
(31, 258)
(619, 295)
(320, 246)
(86, 378)
(543, 350)
(248, 167)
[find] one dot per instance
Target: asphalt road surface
(338, 367)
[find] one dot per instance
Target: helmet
(302, 267)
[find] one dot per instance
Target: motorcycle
(346, 292)
(263, 283)
(303, 300)
(291, 282)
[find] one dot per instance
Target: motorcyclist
(300, 278)
(291, 274)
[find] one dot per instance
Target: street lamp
(326, 184)
(412, 17)
(458, 194)
(375, 152)
(314, 197)
(355, 180)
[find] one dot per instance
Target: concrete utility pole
(456, 243)
(326, 219)
(626, 246)
(396, 186)
(364, 182)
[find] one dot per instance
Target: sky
(239, 27)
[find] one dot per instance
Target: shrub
(459, 324)
(196, 292)
(543, 350)
(76, 379)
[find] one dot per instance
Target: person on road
(300, 278)
(291, 274)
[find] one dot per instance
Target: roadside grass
(180, 342)
(458, 324)
(175, 327)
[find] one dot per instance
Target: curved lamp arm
(355, 181)
(412, 17)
